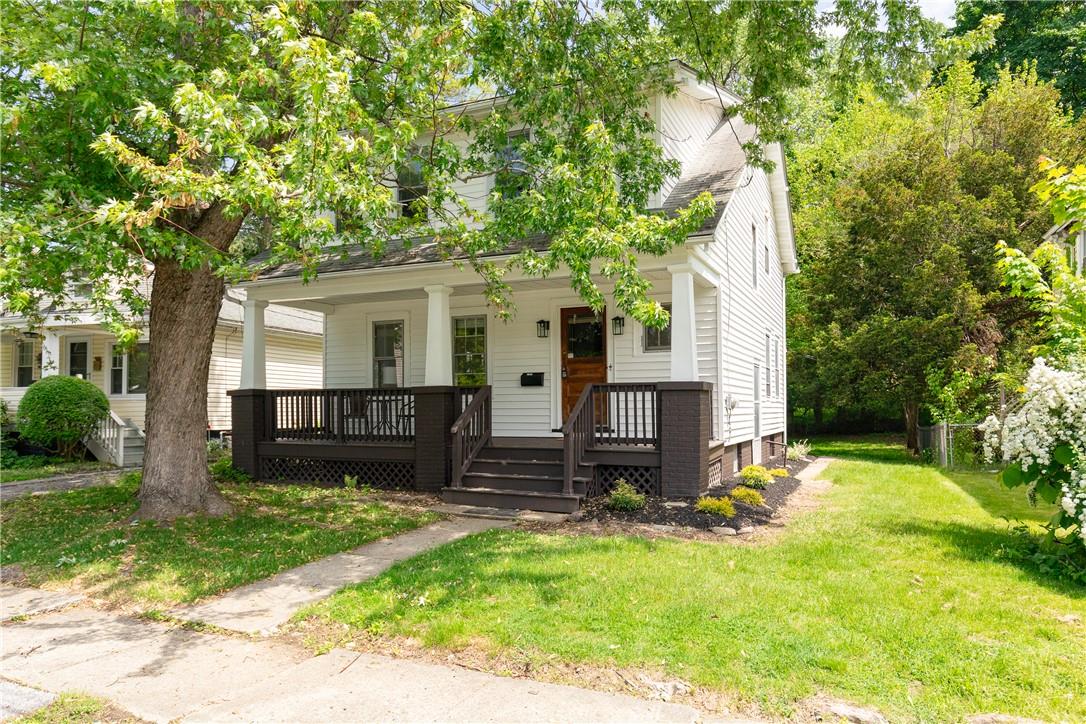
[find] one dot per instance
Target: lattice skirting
(646, 480)
(716, 472)
(384, 474)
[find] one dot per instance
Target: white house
(411, 321)
(75, 342)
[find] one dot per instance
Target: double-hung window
(128, 370)
(511, 179)
(776, 366)
(388, 355)
(412, 188)
(469, 350)
(659, 340)
(768, 369)
(754, 255)
(24, 363)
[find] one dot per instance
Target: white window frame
(492, 179)
(124, 393)
(638, 343)
(388, 319)
(754, 253)
(33, 364)
(486, 342)
(399, 190)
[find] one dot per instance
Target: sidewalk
(72, 481)
(165, 674)
(263, 606)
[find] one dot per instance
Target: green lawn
(74, 707)
(82, 539)
(892, 595)
(16, 475)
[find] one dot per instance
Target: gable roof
(718, 170)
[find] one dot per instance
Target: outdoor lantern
(543, 329)
(618, 324)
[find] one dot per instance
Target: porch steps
(527, 477)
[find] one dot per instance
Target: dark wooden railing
(471, 432)
(626, 414)
(577, 437)
(345, 415)
(464, 396)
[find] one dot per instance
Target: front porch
(441, 439)
(426, 389)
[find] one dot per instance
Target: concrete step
(519, 499)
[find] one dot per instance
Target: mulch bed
(670, 512)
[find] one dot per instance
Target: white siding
(683, 126)
(749, 312)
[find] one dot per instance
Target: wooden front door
(584, 353)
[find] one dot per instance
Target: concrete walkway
(263, 606)
(16, 601)
(164, 674)
(88, 479)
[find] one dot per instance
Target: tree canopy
(143, 135)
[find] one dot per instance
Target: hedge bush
(57, 412)
(625, 497)
(750, 496)
(716, 506)
(755, 476)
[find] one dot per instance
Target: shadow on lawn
(988, 545)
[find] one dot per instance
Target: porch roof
(718, 170)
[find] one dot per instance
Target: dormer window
(511, 178)
(411, 189)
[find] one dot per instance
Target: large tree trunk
(912, 433)
(184, 312)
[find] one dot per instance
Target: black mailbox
(531, 379)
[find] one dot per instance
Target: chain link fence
(954, 445)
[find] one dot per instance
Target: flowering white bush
(1044, 441)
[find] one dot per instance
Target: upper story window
(765, 264)
(412, 189)
(658, 340)
(754, 255)
(511, 178)
(128, 371)
(388, 354)
(768, 381)
(469, 350)
(24, 363)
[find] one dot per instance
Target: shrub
(798, 450)
(223, 471)
(625, 497)
(755, 476)
(779, 472)
(5, 414)
(216, 449)
(748, 496)
(58, 412)
(715, 506)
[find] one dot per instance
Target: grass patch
(82, 537)
(893, 595)
(876, 447)
(73, 707)
(16, 475)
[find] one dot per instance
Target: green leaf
(1011, 476)
(1048, 492)
(1063, 454)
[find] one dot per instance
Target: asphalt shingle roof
(718, 169)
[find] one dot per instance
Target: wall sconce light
(543, 329)
(618, 325)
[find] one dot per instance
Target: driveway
(89, 479)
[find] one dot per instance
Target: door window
(77, 359)
(388, 354)
(584, 335)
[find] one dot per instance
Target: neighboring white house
(1074, 243)
(412, 318)
(75, 342)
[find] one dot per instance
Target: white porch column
(50, 353)
(438, 336)
(684, 342)
(253, 375)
